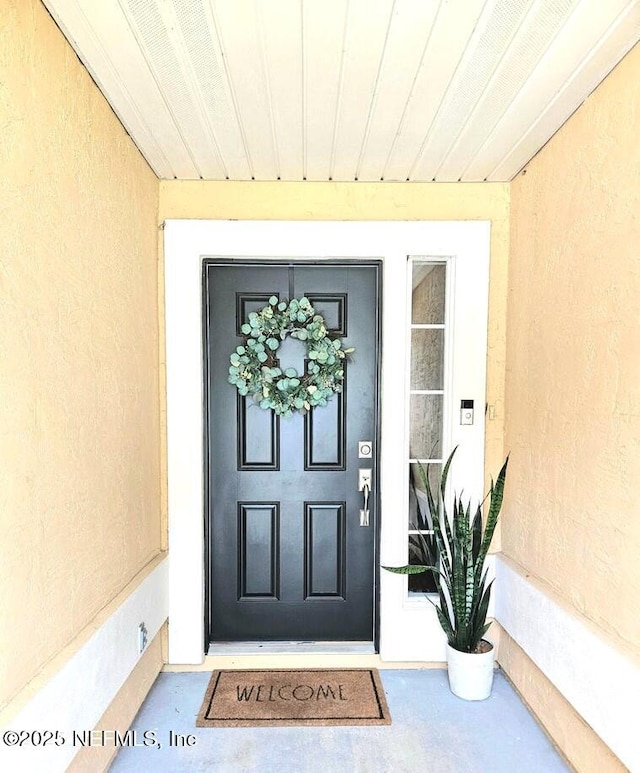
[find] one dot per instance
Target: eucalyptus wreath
(255, 367)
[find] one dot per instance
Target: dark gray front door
(287, 556)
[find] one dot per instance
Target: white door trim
(187, 242)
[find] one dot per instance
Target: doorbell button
(466, 412)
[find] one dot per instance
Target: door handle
(364, 485)
(364, 513)
(365, 491)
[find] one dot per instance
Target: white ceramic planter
(470, 674)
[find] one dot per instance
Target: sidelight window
(428, 299)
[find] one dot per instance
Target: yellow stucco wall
(573, 369)
(79, 435)
(372, 201)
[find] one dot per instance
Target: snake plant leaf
(445, 624)
(496, 495)
(407, 569)
(476, 529)
(485, 592)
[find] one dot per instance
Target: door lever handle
(365, 491)
(364, 485)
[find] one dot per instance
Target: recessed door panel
(258, 437)
(258, 550)
(324, 555)
(325, 436)
(333, 308)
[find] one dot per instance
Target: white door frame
(408, 628)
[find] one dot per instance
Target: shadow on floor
(432, 731)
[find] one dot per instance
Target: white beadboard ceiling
(344, 90)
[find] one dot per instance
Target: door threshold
(292, 648)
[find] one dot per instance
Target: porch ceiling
(416, 90)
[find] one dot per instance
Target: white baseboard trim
(79, 693)
(597, 679)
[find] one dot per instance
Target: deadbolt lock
(365, 449)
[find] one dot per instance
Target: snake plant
(456, 556)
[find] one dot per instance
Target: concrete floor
(431, 730)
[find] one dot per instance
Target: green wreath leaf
(254, 369)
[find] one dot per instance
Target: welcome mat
(288, 697)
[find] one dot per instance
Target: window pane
(423, 582)
(425, 437)
(427, 359)
(422, 548)
(428, 296)
(419, 516)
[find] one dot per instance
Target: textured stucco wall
(573, 369)
(79, 434)
(373, 201)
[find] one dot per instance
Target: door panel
(325, 436)
(258, 550)
(258, 438)
(324, 550)
(288, 559)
